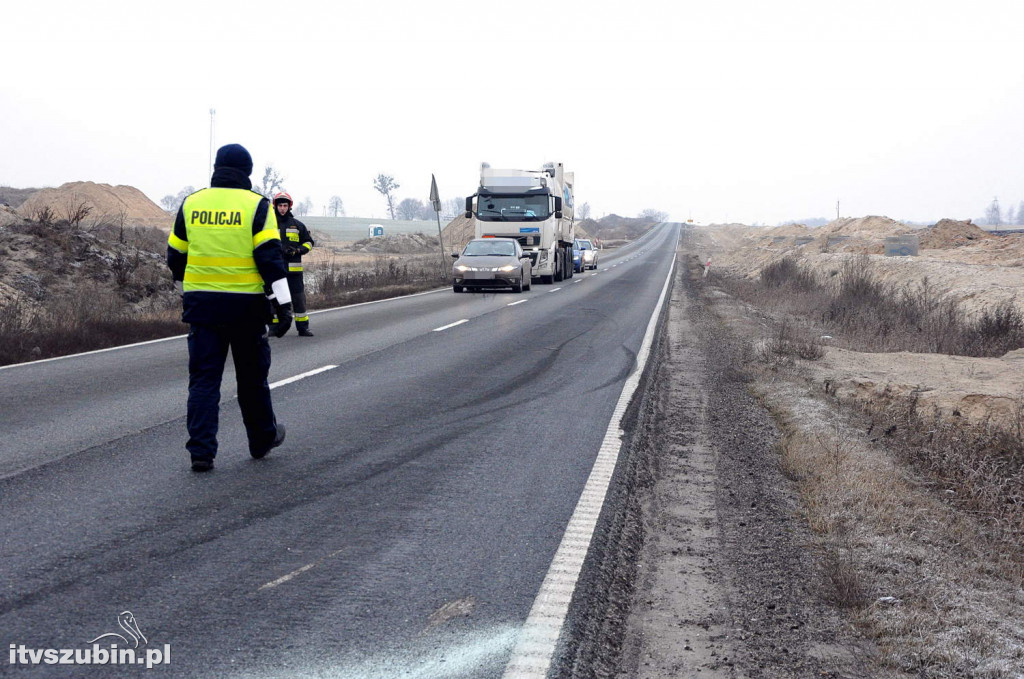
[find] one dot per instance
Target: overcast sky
(750, 111)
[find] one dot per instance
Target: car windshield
(492, 248)
(513, 208)
(584, 245)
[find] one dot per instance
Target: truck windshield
(513, 208)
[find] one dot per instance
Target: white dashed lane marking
(451, 325)
(289, 380)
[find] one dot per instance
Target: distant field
(356, 228)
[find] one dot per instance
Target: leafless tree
(172, 203)
(583, 211)
(653, 215)
(993, 215)
(452, 208)
(386, 186)
(305, 207)
(335, 207)
(271, 183)
(410, 208)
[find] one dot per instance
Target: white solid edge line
(94, 351)
(378, 301)
(289, 380)
(535, 646)
(165, 339)
(514, 303)
(451, 325)
(554, 289)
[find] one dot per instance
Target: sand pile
(107, 203)
(949, 233)
(458, 232)
(866, 228)
(398, 244)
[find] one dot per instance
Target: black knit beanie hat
(233, 156)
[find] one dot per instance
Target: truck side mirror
(469, 206)
(558, 207)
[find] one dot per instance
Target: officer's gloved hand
(290, 251)
(284, 319)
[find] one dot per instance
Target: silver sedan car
(492, 263)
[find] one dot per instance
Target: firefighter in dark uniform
(296, 242)
(224, 245)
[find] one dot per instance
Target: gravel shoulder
(708, 567)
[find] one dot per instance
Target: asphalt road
(403, 529)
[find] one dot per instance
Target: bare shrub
(43, 215)
(869, 315)
(125, 263)
(74, 211)
(786, 272)
(787, 344)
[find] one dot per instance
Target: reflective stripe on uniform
(177, 243)
(293, 234)
(247, 262)
(240, 278)
(295, 267)
(263, 236)
(308, 246)
(301, 319)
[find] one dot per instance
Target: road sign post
(435, 200)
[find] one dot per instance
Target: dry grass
(939, 590)
(919, 522)
(866, 314)
(92, 317)
(333, 283)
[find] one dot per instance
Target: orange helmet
(283, 197)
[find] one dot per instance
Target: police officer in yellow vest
(296, 242)
(224, 245)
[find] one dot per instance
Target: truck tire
(559, 266)
(457, 288)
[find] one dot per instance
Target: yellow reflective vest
(221, 237)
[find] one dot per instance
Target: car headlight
(463, 267)
(506, 268)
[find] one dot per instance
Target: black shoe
(304, 332)
(202, 465)
(278, 440)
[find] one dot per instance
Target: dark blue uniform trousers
(207, 352)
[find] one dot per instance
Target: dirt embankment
(907, 465)
(957, 259)
(104, 204)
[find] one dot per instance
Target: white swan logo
(126, 621)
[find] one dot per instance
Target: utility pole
(212, 113)
(837, 210)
